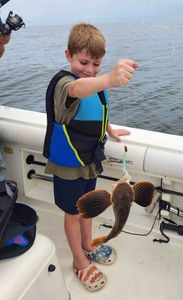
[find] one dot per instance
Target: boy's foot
(91, 277)
(103, 254)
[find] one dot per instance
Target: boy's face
(83, 65)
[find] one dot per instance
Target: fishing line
(159, 57)
(149, 61)
(144, 27)
(124, 107)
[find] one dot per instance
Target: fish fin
(98, 241)
(144, 192)
(93, 203)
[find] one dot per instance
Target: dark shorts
(67, 192)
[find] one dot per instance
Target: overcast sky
(53, 12)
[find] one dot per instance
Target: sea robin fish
(123, 195)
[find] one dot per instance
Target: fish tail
(144, 192)
(93, 203)
(98, 241)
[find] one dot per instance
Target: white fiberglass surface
(143, 269)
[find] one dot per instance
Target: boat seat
(35, 274)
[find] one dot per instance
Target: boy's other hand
(117, 133)
(122, 72)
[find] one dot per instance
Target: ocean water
(154, 98)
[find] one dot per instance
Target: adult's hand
(4, 39)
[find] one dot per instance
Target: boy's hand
(116, 132)
(122, 72)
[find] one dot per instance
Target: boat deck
(143, 269)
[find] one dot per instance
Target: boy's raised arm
(121, 74)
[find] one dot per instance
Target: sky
(57, 12)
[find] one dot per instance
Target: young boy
(77, 115)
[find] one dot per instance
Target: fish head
(122, 195)
(125, 177)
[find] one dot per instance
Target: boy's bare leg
(86, 234)
(73, 234)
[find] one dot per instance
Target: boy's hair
(86, 36)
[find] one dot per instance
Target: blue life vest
(81, 142)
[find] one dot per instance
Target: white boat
(144, 269)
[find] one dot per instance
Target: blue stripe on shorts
(67, 192)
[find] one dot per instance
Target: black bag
(8, 196)
(17, 222)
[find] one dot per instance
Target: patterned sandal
(91, 278)
(103, 254)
